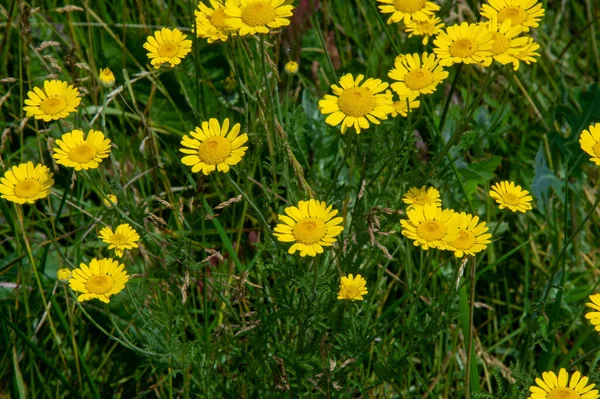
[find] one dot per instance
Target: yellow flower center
(309, 231)
(409, 6)
(99, 284)
(463, 48)
(563, 393)
(423, 199)
(82, 154)
(53, 105)
(426, 27)
(596, 149)
(168, 50)
(400, 107)
(357, 101)
(511, 199)
(465, 240)
(499, 43)
(515, 14)
(350, 292)
(118, 239)
(28, 188)
(218, 18)
(258, 14)
(431, 231)
(418, 79)
(214, 150)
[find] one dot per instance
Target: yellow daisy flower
(523, 13)
(430, 226)
(352, 288)
(310, 226)
(167, 46)
(124, 237)
(354, 105)
(414, 77)
(291, 68)
(527, 53)
(213, 147)
(472, 237)
(63, 275)
(73, 151)
(551, 386)
(590, 142)
(422, 196)
(505, 43)
(428, 27)
(101, 279)
(594, 316)
(507, 195)
(404, 105)
(211, 22)
(26, 183)
(106, 77)
(466, 43)
(56, 101)
(112, 198)
(407, 10)
(249, 17)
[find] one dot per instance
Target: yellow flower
(522, 13)
(167, 46)
(413, 77)
(353, 288)
(527, 53)
(291, 68)
(112, 198)
(106, 77)
(472, 237)
(63, 275)
(590, 142)
(403, 105)
(103, 278)
(26, 183)
(555, 387)
(73, 151)
(249, 17)
(124, 237)
(213, 147)
(422, 196)
(466, 43)
(428, 27)
(210, 22)
(311, 226)
(507, 195)
(407, 10)
(56, 101)
(505, 43)
(431, 227)
(354, 105)
(594, 316)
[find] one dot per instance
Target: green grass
(254, 321)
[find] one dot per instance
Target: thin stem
(252, 204)
(470, 342)
(449, 97)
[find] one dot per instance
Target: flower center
(168, 50)
(418, 79)
(511, 199)
(499, 43)
(463, 48)
(258, 14)
(214, 150)
(53, 105)
(431, 231)
(357, 101)
(82, 154)
(426, 27)
(350, 292)
(423, 199)
(118, 239)
(465, 240)
(28, 188)
(409, 6)
(596, 149)
(99, 284)
(218, 18)
(515, 14)
(563, 393)
(309, 231)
